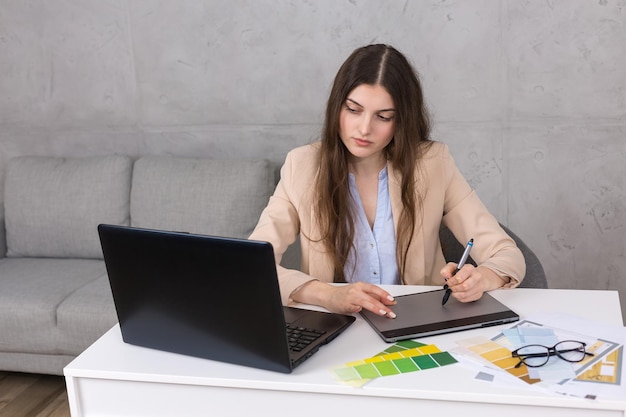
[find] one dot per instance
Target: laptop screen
(212, 297)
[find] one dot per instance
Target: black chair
(535, 275)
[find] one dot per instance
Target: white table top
(110, 358)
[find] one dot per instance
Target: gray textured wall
(530, 95)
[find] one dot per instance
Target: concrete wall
(530, 95)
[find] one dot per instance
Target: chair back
(535, 275)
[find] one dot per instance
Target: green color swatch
(401, 358)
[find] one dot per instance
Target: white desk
(112, 378)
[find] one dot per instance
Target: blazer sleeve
(467, 217)
(279, 222)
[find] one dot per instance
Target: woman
(369, 198)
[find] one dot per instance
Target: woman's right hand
(346, 299)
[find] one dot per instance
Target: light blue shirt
(375, 256)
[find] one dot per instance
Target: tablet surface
(422, 314)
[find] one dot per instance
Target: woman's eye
(350, 109)
(385, 119)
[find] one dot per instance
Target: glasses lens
(570, 350)
(534, 355)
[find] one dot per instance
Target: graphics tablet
(421, 314)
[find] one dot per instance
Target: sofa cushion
(85, 315)
(216, 197)
(32, 293)
(54, 205)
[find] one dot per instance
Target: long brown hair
(373, 65)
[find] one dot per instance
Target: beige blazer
(448, 199)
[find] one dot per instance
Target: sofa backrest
(207, 196)
(53, 205)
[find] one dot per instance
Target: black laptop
(211, 297)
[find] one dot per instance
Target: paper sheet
(600, 376)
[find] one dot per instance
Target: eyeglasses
(535, 356)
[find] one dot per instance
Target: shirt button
(375, 273)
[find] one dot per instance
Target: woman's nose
(365, 125)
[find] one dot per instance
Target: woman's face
(367, 122)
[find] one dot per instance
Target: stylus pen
(466, 252)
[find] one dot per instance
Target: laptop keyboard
(299, 337)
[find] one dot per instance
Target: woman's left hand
(470, 282)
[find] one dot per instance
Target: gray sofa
(55, 298)
(54, 293)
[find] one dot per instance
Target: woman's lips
(361, 142)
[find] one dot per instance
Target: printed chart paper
(597, 376)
